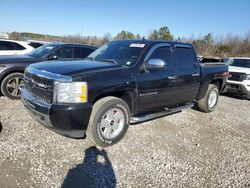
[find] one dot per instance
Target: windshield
(123, 53)
(42, 50)
(226, 60)
(240, 63)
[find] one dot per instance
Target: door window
(184, 58)
(163, 53)
(64, 52)
(4, 45)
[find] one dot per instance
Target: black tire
(13, 92)
(98, 115)
(203, 104)
(248, 96)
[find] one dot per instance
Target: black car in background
(12, 67)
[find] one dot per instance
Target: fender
(10, 70)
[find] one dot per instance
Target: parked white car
(36, 43)
(12, 47)
(239, 82)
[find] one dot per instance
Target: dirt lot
(188, 149)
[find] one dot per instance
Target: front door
(157, 88)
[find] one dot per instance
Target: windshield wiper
(110, 60)
(104, 60)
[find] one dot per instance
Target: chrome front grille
(237, 76)
(39, 86)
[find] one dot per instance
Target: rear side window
(163, 53)
(85, 52)
(35, 45)
(81, 52)
(77, 52)
(184, 58)
(64, 52)
(4, 45)
(19, 47)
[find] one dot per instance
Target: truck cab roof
(153, 42)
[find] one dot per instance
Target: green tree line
(231, 45)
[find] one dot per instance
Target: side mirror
(52, 57)
(155, 64)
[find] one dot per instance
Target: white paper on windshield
(137, 45)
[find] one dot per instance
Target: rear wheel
(12, 85)
(108, 122)
(248, 96)
(210, 100)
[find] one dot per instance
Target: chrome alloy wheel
(112, 123)
(14, 86)
(213, 98)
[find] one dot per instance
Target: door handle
(196, 74)
(196, 64)
(171, 77)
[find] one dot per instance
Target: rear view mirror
(155, 64)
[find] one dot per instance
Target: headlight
(74, 92)
(248, 77)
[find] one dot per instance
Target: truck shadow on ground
(95, 171)
(1, 127)
(235, 96)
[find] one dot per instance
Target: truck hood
(70, 68)
(239, 69)
(5, 59)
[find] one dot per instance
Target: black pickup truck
(121, 83)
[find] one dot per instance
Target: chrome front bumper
(41, 112)
(31, 107)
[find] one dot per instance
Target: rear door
(187, 72)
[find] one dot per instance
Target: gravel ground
(188, 149)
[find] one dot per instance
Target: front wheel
(12, 85)
(210, 100)
(108, 122)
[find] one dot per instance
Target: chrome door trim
(154, 48)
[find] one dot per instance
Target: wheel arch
(218, 83)
(126, 95)
(8, 72)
